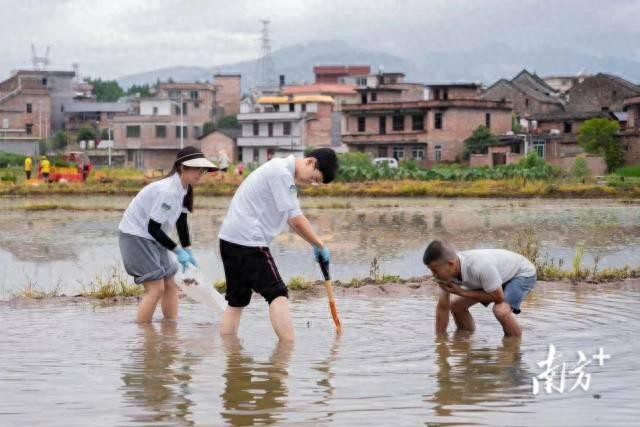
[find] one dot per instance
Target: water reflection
(326, 370)
(468, 374)
(157, 377)
(254, 392)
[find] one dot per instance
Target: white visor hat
(195, 159)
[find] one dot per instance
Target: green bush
(580, 170)
(357, 167)
(628, 171)
(10, 159)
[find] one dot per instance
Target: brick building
(330, 74)
(428, 131)
(153, 134)
(221, 140)
(528, 93)
(32, 105)
(385, 87)
(630, 137)
(601, 92)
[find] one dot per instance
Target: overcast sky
(111, 38)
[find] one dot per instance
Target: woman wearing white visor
(144, 229)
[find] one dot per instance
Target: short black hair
(437, 251)
(327, 163)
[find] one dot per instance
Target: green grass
(628, 171)
(114, 284)
(526, 243)
(32, 291)
(298, 283)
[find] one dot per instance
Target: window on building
(174, 93)
(436, 94)
(196, 104)
(382, 122)
(270, 129)
(374, 96)
(161, 131)
(286, 128)
(437, 153)
(361, 124)
(361, 81)
(567, 127)
(133, 131)
(538, 146)
(111, 115)
(193, 94)
(44, 81)
(256, 155)
(398, 122)
(155, 111)
(526, 102)
(177, 110)
(184, 129)
(62, 108)
(256, 129)
(398, 152)
(292, 107)
(417, 122)
(363, 97)
(29, 128)
(303, 107)
(487, 120)
(437, 120)
(383, 151)
(276, 107)
(445, 94)
(184, 108)
(5, 123)
(29, 108)
(418, 152)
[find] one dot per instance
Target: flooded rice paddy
(66, 249)
(88, 364)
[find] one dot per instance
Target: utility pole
(181, 121)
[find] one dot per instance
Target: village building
(32, 107)
(277, 126)
(174, 118)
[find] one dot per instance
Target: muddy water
(83, 365)
(65, 249)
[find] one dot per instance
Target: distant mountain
(486, 65)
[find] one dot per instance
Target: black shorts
(249, 268)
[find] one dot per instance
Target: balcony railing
(266, 141)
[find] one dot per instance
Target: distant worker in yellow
(45, 168)
(28, 166)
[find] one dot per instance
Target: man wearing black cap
(261, 207)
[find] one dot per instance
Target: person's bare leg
(281, 318)
(153, 291)
(461, 315)
(230, 320)
(508, 321)
(170, 299)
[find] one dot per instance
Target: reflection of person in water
(157, 377)
(324, 383)
(468, 375)
(254, 391)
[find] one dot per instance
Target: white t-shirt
(263, 203)
(161, 201)
(489, 269)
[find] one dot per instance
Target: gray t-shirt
(489, 269)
